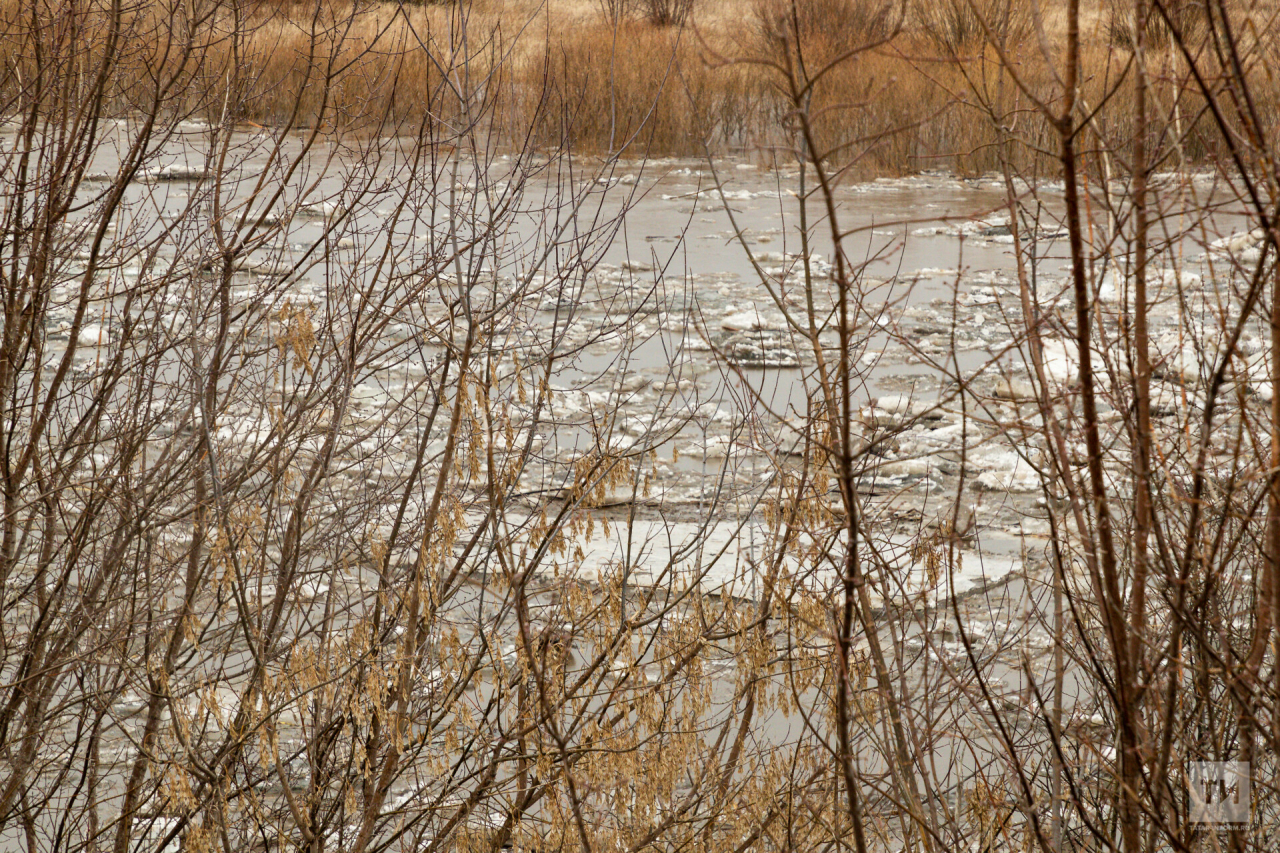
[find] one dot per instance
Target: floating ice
(93, 336)
(317, 210)
(1005, 471)
(1236, 243)
(750, 320)
(173, 172)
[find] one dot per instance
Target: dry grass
(294, 64)
(932, 95)
(642, 90)
(350, 68)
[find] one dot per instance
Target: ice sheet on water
(728, 556)
(990, 227)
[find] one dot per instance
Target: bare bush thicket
(615, 12)
(292, 499)
(667, 13)
(1187, 19)
(336, 462)
(1130, 381)
(960, 25)
(826, 25)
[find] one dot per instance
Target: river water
(650, 318)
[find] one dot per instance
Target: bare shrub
(666, 13)
(287, 513)
(959, 25)
(1188, 18)
(825, 26)
(1134, 375)
(616, 11)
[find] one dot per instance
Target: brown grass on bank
(933, 94)
(640, 90)
(296, 64)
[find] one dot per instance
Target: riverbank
(910, 88)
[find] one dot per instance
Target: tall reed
(624, 86)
